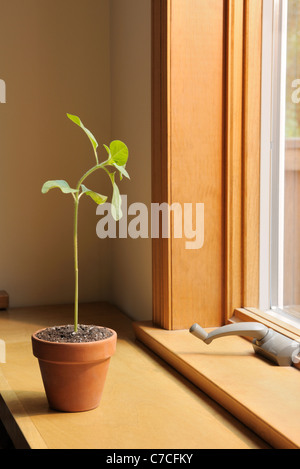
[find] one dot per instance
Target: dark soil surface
(67, 334)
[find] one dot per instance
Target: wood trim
(206, 148)
(233, 156)
(196, 162)
(244, 46)
(160, 158)
(187, 158)
(251, 150)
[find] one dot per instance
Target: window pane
(291, 276)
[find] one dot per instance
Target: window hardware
(271, 344)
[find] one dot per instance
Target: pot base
(74, 388)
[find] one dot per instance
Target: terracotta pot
(74, 373)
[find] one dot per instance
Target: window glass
(285, 249)
(291, 284)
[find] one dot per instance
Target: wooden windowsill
(265, 397)
(145, 404)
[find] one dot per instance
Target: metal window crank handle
(268, 343)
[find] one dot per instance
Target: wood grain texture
(187, 156)
(161, 258)
(196, 115)
(251, 150)
(233, 156)
(263, 396)
(145, 403)
(206, 135)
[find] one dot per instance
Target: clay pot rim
(70, 344)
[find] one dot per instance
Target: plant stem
(76, 206)
(90, 171)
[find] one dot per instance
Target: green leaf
(122, 170)
(116, 203)
(98, 198)
(77, 121)
(118, 152)
(60, 184)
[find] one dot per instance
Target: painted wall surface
(131, 121)
(91, 59)
(54, 60)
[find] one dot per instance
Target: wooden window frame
(241, 159)
(172, 307)
(236, 173)
(241, 152)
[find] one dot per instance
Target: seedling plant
(115, 163)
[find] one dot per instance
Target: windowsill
(136, 411)
(265, 397)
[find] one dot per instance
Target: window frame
(170, 110)
(272, 149)
(240, 206)
(245, 203)
(273, 145)
(241, 203)
(272, 210)
(278, 87)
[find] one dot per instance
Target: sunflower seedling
(115, 163)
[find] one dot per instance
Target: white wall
(54, 59)
(91, 59)
(131, 121)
